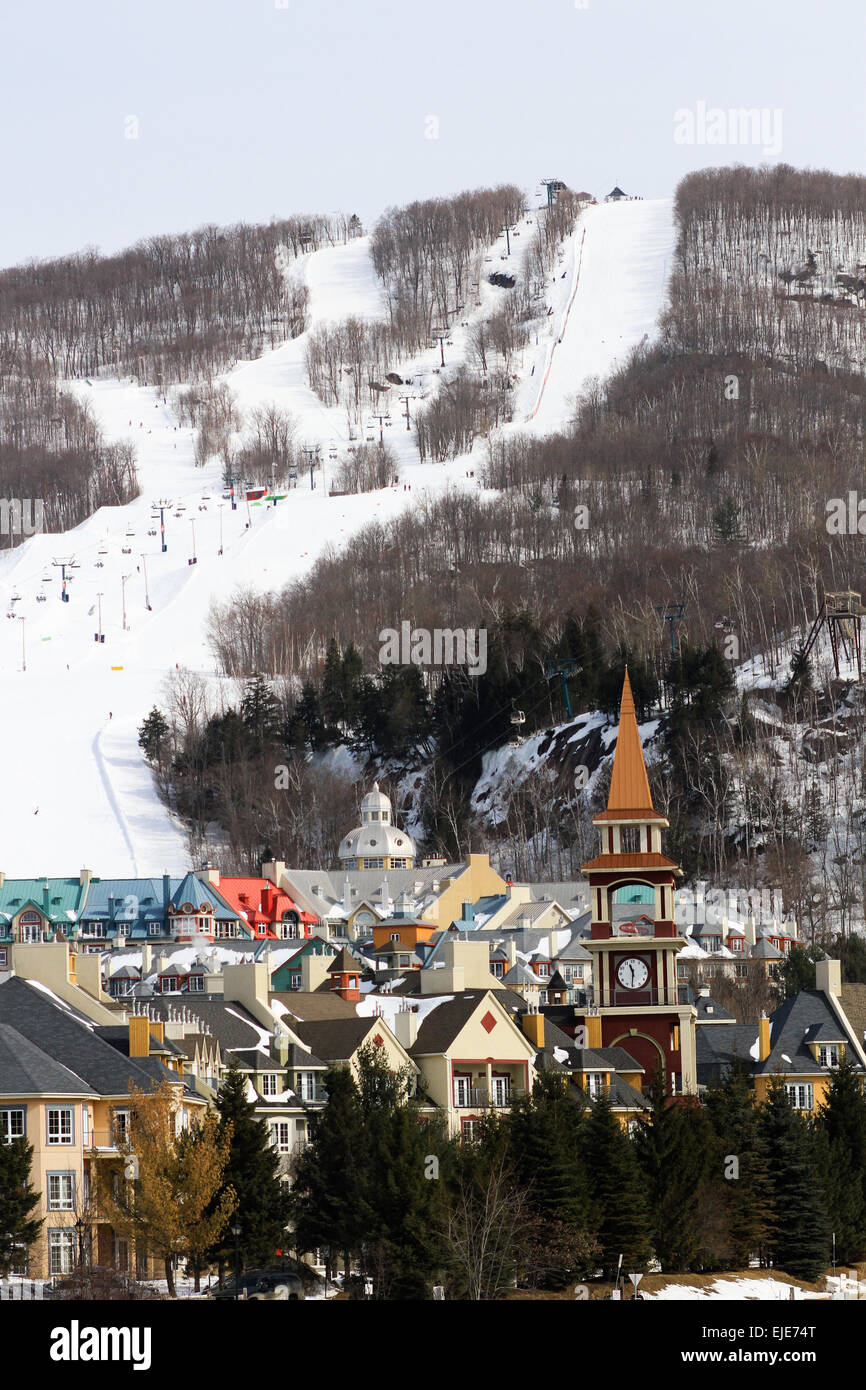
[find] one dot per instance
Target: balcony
(312, 1095)
(478, 1097)
(642, 998)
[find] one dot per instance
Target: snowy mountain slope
(82, 794)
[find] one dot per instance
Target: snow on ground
(83, 796)
(733, 1290)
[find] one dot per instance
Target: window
(462, 1087)
(629, 839)
(542, 969)
(195, 984)
(497, 968)
(295, 981)
(93, 929)
(500, 1090)
(594, 1084)
(828, 1054)
(119, 1126)
(374, 863)
(374, 815)
(403, 960)
(60, 1126)
(468, 1130)
(281, 1136)
(4, 956)
(61, 1251)
(270, 1084)
(735, 943)
(741, 971)
(306, 1085)
(399, 863)
(154, 929)
(395, 936)
(12, 1125)
(800, 1094)
(61, 1191)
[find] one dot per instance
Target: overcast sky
(249, 109)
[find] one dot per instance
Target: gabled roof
(71, 1039)
(793, 1026)
(556, 981)
(25, 1070)
(439, 1028)
(191, 889)
(337, 1039)
(765, 950)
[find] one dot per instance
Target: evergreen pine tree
(799, 1238)
(842, 1119)
(328, 1203)
(260, 710)
(735, 1120)
(620, 1217)
(545, 1149)
(673, 1145)
(153, 736)
(252, 1171)
(18, 1227)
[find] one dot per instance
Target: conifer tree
(545, 1149)
(741, 1158)
(842, 1121)
(260, 710)
(252, 1172)
(18, 1227)
(799, 1237)
(673, 1145)
(620, 1217)
(153, 736)
(328, 1204)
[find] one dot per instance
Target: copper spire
(630, 797)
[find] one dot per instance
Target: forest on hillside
(170, 309)
(699, 474)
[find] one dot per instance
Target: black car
(263, 1285)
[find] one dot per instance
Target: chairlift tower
(671, 613)
(563, 668)
(842, 614)
(553, 187)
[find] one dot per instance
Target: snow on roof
(264, 1035)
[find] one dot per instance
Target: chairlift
(41, 598)
(16, 598)
(47, 578)
(518, 717)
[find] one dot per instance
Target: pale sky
(249, 109)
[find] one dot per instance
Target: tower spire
(630, 797)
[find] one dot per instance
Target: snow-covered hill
(77, 790)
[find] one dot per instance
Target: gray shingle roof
(25, 1070)
(68, 1038)
(336, 1039)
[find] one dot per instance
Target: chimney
(274, 869)
(166, 891)
(46, 900)
(592, 1024)
(314, 971)
(468, 912)
(84, 877)
(763, 1038)
(157, 1029)
(207, 874)
(139, 1035)
(509, 946)
(405, 1027)
(828, 977)
(249, 985)
(145, 958)
(532, 1024)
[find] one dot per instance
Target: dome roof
(375, 841)
(375, 801)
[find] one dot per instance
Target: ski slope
(78, 791)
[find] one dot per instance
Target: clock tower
(634, 942)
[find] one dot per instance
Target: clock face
(632, 973)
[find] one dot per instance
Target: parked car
(263, 1285)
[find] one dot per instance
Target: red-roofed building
(269, 911)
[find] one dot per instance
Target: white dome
(375, 801)
(376, 837)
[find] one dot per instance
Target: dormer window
(828, 1054)
(270, 1083)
